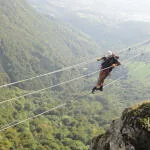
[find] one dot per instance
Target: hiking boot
(94, 89)
(101, 88)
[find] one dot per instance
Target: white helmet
(109, 53)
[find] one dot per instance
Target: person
(109, 62)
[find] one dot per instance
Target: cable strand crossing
(70, 67)
(65, 82)
(55, 108)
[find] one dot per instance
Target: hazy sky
(133, 9)
(124, 9)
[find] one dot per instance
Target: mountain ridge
(100, 20)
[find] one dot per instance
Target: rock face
(131, 132)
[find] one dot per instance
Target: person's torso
(107, 62)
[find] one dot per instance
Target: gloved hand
(114, 65)
(99, 59)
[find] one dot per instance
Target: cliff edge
(130, 132)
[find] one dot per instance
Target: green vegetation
(140, 113)
(32, 44)
(66, 128)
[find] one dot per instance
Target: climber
(109, 61)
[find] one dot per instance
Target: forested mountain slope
(111, 24)
(33, 44)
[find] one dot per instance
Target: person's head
(109, 53)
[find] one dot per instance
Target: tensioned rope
(52, 109)
(55, 108)
(121, 77)
(49, 73)
(65, 82)
(34, 92)
(70, 67)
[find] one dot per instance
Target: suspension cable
(137, 45)
(65, 82)
(121, 77)
(49, 73)
(34, 92)
(52, 109)
(67, 68)
(31, 118)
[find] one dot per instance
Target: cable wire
(121, 77)
(49, 73)
(55, 108)
(34, 92)
(67, 68)
(31, 118)
(65, 82)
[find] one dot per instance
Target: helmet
(109, 53)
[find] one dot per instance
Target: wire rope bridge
(125, 62)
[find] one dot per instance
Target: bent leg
(101, 79)
(100, 82)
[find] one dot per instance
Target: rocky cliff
(130, 132)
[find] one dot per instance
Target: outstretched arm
(99, 59)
